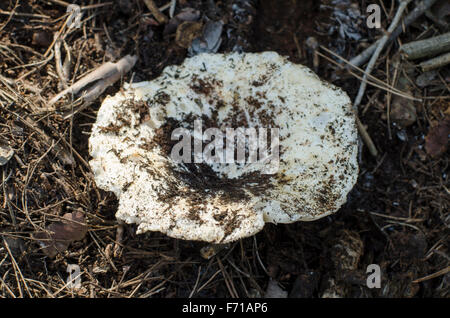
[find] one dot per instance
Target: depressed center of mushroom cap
(131, 147)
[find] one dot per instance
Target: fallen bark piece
(428, 47)
(426, 78)
(60, 235)
(208, 195)
(98, 80)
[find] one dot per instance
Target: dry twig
(368, 141)
(436, 62)
(159, 16)
(416, 13)
(428, 47)
(378, 50)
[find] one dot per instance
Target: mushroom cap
(131, 147)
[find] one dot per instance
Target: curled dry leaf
(209, 41)
(60, 235)
(436, 141)
(187, 32)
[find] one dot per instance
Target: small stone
(403, 112)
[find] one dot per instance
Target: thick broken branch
(436, 62)
(428, 47)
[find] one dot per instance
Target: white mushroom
(132, 147)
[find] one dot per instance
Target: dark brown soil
(397, 215)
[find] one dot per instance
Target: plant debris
(188, 31)
(59, 235)
(210, 39)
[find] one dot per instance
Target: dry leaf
(210, 39)
(186, 32)
(59, 235)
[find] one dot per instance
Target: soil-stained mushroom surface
(131, 145)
